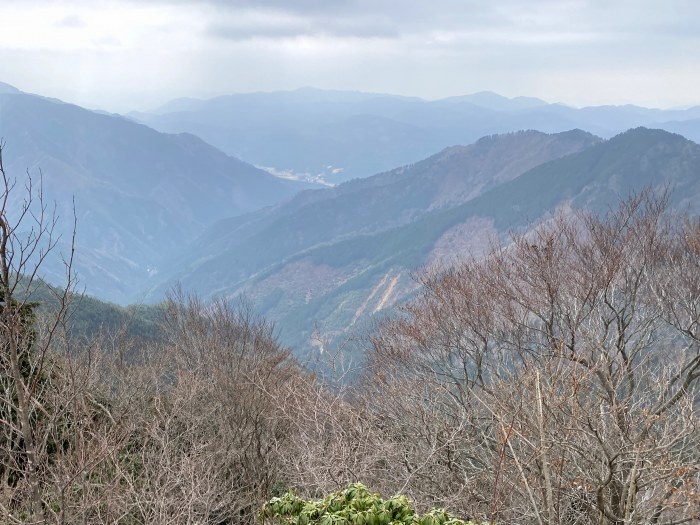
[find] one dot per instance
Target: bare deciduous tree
(26, 239)
(206, 439)
(559, 374)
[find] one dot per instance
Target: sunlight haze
(122, 56)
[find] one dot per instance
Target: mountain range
(335, 136)
(140, 195)
(327, 262)
(155, 209)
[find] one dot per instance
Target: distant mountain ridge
(491, 100)
(336, 136)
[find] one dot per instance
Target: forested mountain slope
(140, 195)
(310, 271)
(365, 206)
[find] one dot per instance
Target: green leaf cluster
(355, 505)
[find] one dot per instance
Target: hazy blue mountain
(328, 261)
(336, 135)
(490, 100)
(340, 135)
(370, 205)
(8, 89)
(688, 128)
(362, 206)
(140, 195)
(155, 208)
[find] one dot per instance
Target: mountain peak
(644, 135)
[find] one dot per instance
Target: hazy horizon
(306, 87)
(127, 55)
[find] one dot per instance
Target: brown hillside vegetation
(553, 381)
(556, 380)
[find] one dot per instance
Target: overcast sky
(123, 55)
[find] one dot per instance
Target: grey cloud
(411, 13)
(107, 41)
(306, 7)
(363, 28)
(237, 32)
(373, 18)
(70, 21)
(585, 30)
(297, 26)
(390, 18)
(556, 49)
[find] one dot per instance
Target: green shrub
(355, 505)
